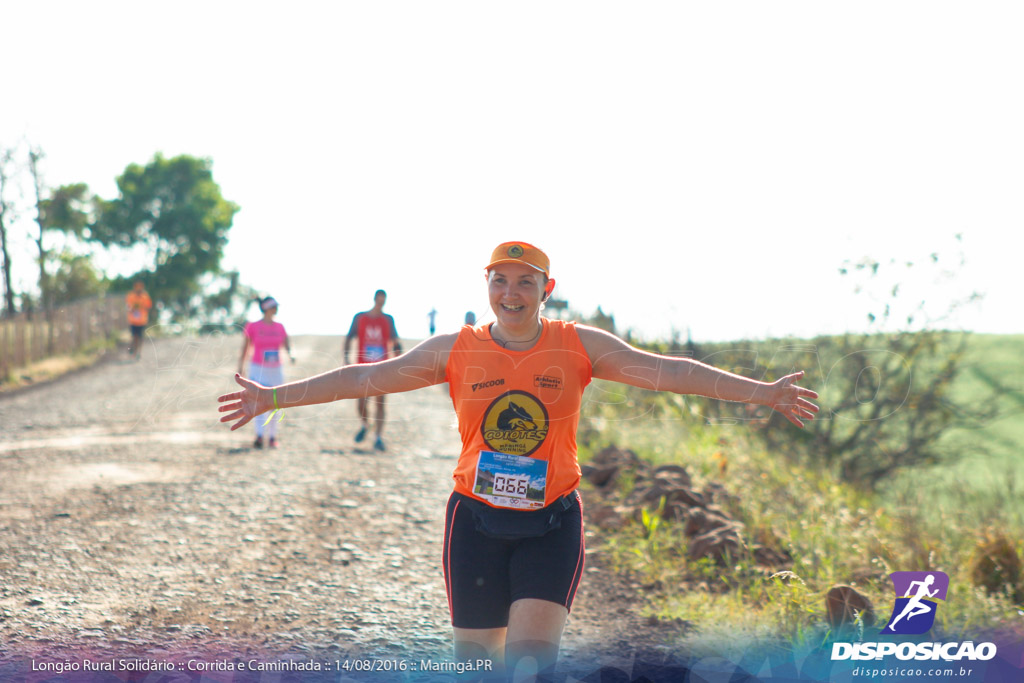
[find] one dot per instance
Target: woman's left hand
(789, 400)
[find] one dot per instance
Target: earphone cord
(504, 344)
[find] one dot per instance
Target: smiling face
(515, 291)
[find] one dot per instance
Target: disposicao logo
(917, 600)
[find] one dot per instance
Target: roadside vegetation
(54, 367)
(932, 482)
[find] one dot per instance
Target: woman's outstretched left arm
(614, 359)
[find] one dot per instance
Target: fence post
(113, 319)
(24, 340)
(109, 313)
(19, 341)
(5, 351)
(90, 317)
(57, 333)
(65, 330)
(37, 339)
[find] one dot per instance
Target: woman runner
(513, 550)
(265, 337)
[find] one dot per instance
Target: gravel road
(133, 525)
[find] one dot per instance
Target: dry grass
(55, 367)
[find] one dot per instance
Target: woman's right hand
(254, 399)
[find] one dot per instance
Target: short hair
(379, 292)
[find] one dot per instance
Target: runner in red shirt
(377, 340)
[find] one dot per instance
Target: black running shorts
(485, 575)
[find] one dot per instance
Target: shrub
(996, 566)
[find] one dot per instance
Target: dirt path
(132, 524)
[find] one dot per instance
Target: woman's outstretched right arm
(422, 366)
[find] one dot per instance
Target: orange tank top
(518, 412)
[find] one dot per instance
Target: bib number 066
(510, 485)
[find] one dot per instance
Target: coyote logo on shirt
(515, 418)
(515, 423)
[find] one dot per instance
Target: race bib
(374, 353)
(511, 481)
(271, 357)
(135, 316)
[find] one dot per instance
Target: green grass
(988, 477)
(928, 519)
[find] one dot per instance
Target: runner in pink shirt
(265, 337)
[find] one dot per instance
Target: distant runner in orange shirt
(513, 548)
(139, 303)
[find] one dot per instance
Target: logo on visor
(515, 423)
(515, 251)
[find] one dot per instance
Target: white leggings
(268, 376)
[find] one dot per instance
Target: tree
(68, 209)
(75, 278)
(602, 320)
(175, 209)
(6, 211)
(35, 155)
(893, 386)
(226, 306)
(886, 394)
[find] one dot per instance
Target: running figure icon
(916, 605)
(918, 595)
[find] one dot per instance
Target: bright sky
(685, 165)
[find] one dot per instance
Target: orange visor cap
(520, 252)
